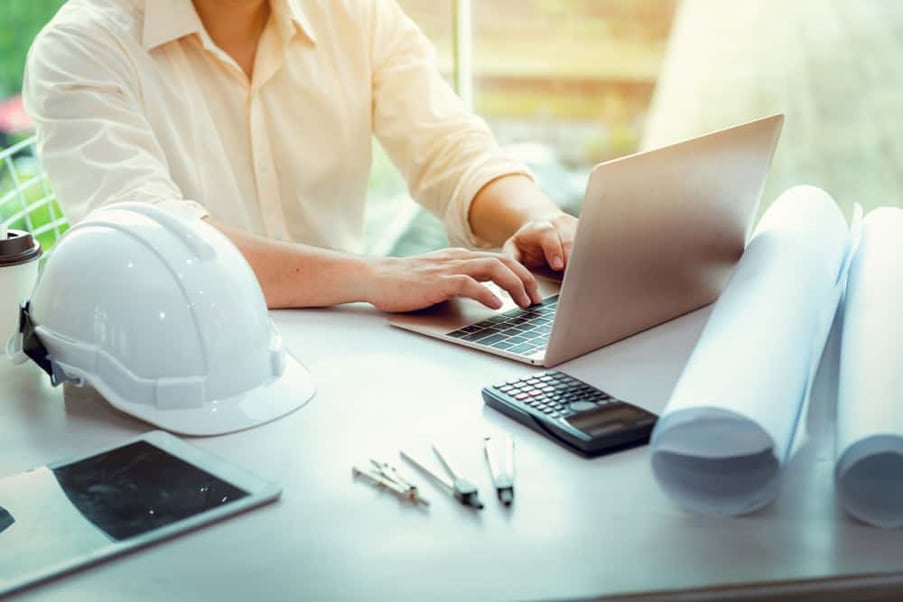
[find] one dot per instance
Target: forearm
(504, 205)
(296, 275)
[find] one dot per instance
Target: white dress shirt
(133, 101)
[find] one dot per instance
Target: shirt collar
(291, 19)
(168, 20)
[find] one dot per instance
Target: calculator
(577, 415)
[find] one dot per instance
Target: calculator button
(582, 406)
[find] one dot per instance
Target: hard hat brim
(265, 403)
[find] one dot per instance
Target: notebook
(658, 236)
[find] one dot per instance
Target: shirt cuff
(456, 220)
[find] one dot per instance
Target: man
(257, 115)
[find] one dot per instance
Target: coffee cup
(19, 254)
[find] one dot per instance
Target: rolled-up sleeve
(445, 152)
(93, 138)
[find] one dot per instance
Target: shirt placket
(265, 177)
(270, 56)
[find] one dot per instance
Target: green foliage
(32, 192)
(20, 21)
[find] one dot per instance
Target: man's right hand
(398, 284)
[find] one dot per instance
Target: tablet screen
(59, 516)
(134, 489)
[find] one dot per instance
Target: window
(566, 83)
(563, 84)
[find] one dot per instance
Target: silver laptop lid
(659, 235)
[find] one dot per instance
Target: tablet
(68, 514)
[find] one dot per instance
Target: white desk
(577, 528)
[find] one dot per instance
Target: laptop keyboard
(520, 330)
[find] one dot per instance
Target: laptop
(658, 236)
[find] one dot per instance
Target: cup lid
(18, 247)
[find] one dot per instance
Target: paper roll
(869, 431)
(721, 443)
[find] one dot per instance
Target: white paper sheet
(725, 434)
(869, 435)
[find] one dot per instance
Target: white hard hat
(165, 318)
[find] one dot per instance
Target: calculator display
(606, 419)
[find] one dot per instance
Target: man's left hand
(546, 242)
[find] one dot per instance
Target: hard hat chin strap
(32, 347)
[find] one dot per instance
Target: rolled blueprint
(869, 443)
(721, 443)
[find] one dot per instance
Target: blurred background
(565, 84)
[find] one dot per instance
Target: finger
(461, 285)
(550, 242)
(497, 269)
(567, 247)
(527, 278)
(567, 231)
(540, 244)
(510, 249)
